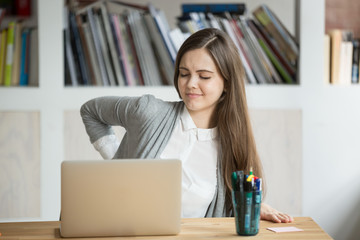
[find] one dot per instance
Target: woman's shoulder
(151, 103)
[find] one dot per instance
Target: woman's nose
(192, 82)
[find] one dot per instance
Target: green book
(9, 54)
(2, 55)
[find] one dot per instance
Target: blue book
(24, 60)
(239, 8)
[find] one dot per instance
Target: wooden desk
(198, 228)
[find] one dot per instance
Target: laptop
(132, 197)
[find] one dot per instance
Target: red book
(23, 8)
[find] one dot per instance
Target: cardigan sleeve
(100, 114)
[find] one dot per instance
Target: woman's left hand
(270, 214)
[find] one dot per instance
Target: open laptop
(120, 197)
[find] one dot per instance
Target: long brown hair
(237, 143)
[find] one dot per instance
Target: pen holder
(246, 206)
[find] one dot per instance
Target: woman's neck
(201, 119)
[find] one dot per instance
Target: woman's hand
(270, 214)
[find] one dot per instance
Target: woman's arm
(100, 114)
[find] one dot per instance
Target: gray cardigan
(149, 123)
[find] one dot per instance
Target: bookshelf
(24, 63)
(326, 125)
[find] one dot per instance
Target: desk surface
(191, 228)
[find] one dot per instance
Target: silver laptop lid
(120, 197)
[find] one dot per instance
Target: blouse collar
(201, 133)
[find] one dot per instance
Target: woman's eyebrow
(200, 70)
(184, 68)
(204, 70)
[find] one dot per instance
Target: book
(341, 40)
(261, 58)
(24, 59)
(109, 31)
(104, 48)
(78, 47)
(238, 8)
(274, 48)
(355, 62)
(70, 59)
(9, 53)
(2, 14)
(23, 8)
(69, 55)
(214, 23)
(92, 57)
(346, 55)
(122, 49)
(165, 61)
(3, 55)
(287, 78)
(98, 50)
(336, 39)
(250, 77)
(163, 29)
(85, 47)
(34, 58)
(279, 35)
(178, 37)
(150, 72)
(139, 79)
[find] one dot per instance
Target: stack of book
(112, 43)
(268, 51)
(341, 57)
(18, 54)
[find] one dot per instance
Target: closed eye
(184, 75)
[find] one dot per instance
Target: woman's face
(200, 83)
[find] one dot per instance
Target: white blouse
(197, 149)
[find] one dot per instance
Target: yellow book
(9, 54)
(336, 39)
(15, 75)
(2, 55)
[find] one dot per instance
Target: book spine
(248, 68)
(110, 40)
(132, 70)
(24, 58)
(9, 54)
(84, 45)
(92, 54)
(23, 8)
(3, 55)
(164, 31)
(33, 58)
(121, 50)
(268, 23)
(79, 49)
(256, 26)
(139, 80)
(104, 49)
(160, 48)
(95, 36)
(355, 62)
(238, 8)
(15, 75)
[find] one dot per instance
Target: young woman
(209, 130)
